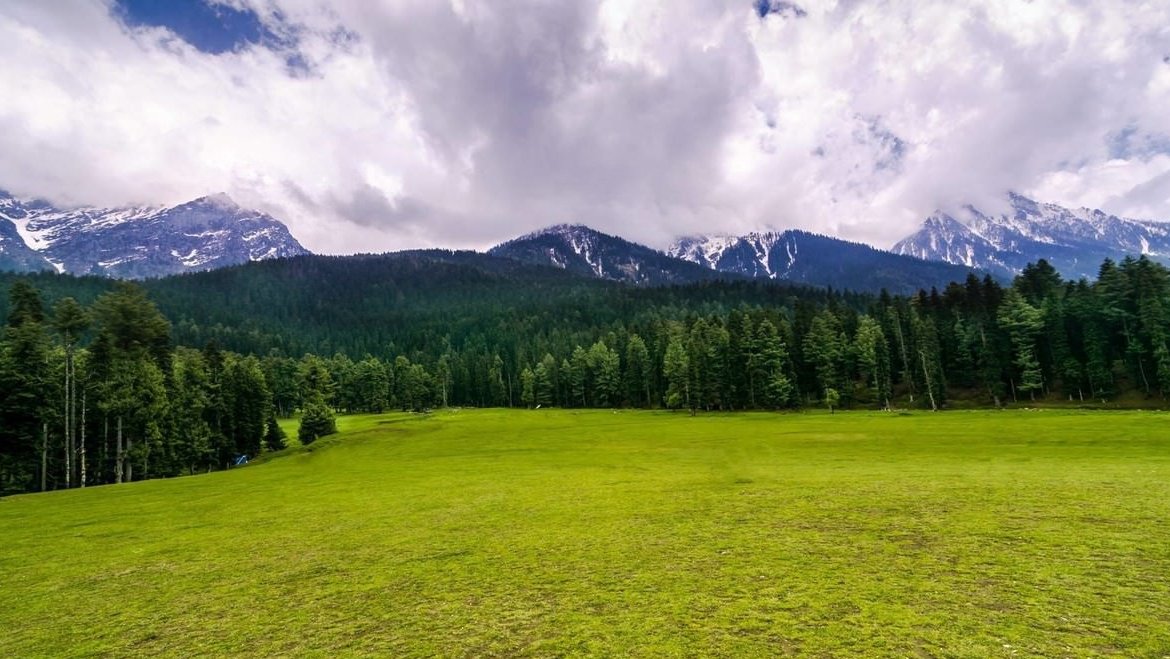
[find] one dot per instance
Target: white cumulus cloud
(394, 124)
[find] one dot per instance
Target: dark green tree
(676, 369)
(638, 380)
(317, 421)
(70, 321)
(274, 437)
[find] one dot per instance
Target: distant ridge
(809, 258)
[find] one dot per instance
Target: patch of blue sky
(211, 27)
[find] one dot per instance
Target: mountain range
(212, 232)
(1075, 242)
(794, 256)
(138, 242)
(809, 258)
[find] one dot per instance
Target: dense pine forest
(105, 382)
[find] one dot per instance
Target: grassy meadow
(563, 533)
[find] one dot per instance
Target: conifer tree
(528, 387)
(70, 320)
(676, 370)
(317, 421)
(25, 399)
(1023, 323)
(638, 372)
(769, 362)
(824, 348)
(874, 359)
(543, 381)
(274, 437)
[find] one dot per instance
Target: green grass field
(551, 533)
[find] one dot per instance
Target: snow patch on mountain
(804, 257)
(750, 254)
(1074, 241)
(142, 241)
(585, 251)
(34, 239)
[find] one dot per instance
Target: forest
(107, 382)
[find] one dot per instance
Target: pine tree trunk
(130, 462)
(73, 408)
(104, 455)
(82, 456)
(118, 457)
(905, 358)
(68, 448)
(1142, 370)
(44, 456)
(929, 387)
(1128, 345)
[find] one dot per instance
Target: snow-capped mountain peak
(563, 242)
(585, 251)
(219, 200)
(800, 256)
(138, 241)
(750, 254)
(1074, 241)
(704, 250)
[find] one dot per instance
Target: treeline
(101, 395)
(1040, 337)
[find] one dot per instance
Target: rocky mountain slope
(584, 251)
(138, 242)
(809, 258)
(1074, 241)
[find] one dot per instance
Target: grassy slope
(538, 533)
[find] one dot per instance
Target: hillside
(416, 300)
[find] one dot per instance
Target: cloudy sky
(372, 125)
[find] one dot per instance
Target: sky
(376, 125)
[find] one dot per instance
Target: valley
(553, 532)
(764, 328)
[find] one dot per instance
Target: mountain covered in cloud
(808, 258)
(584, 251)
(1074, 241)
(138, 242)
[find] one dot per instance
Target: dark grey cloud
(369, 206)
